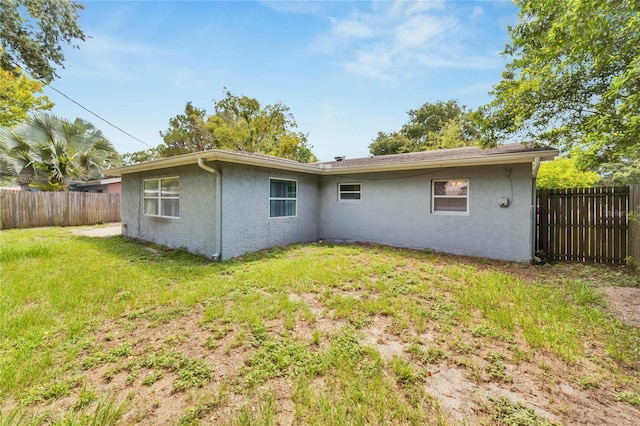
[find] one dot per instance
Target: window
(283, 196)
(349, 192)
(450, 196)
(162, 197)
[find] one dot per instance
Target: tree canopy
(32, 32)
(238, 123)
(432, 126)
(572, 80)
(563, 173)
(49, 151)
(18, 96)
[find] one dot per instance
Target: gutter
(498, 159)
(217, 254)
(328, 169)
(534, 209)
(215, 155)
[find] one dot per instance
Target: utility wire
(23, 69)
(101, 118)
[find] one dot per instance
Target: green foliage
(187, 133)
(103, 357)
(496, 369)
(504, 412)
(239, 123)
(50, 151)
(137, 316)
(563, 173)
(191, 372)
(573, 79)
(18, 97)
(31, 33)
(629, 397)
(85, 398)
(140, 156)
(624, 173)
(432, 126)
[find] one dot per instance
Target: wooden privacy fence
(587, 224)
(21, 209)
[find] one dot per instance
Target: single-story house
(223, 204)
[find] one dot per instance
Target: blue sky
(346, 69)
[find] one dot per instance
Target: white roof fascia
(497, 159)
(327, 169)
(226, 156)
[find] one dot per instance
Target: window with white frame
(162, 197)
(283, 197)
(349, 192)
(450, 196)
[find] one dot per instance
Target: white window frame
(448, 212)
(160, 197)
(348, 200)
(283, 198)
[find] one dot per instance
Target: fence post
(634, 225)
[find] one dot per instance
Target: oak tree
(572, 80)
(32, 33)
(238, 123)
(435, 125)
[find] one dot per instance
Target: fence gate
(586, 224)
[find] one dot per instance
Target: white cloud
(352, 29)
(107, 58)
(307, 7)
(477, 12)
(421, 29)
(374, 62)
(387, 39)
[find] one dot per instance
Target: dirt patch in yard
(102, 231)
(193, 363)
(460, 384)
(625, 303)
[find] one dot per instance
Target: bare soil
(582, 393)
(544, 382)
(625, 303)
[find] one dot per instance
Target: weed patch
(287, 334)
(502, 411)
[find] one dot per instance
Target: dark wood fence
(21, 209)
(586, 225)
(634, 224)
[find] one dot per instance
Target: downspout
(203, 166)
(534, 206)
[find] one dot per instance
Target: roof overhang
(216, 155)
(482, 159)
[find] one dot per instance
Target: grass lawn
(110, 331)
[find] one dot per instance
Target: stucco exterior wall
(246, 225)
(195, 229)
(396, 210)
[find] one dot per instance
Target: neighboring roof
(99, 182)
(455, 157)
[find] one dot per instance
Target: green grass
(73, 307)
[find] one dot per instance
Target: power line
(23, 69)
(101, 118)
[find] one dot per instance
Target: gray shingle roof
(502, 154)
(468, 152)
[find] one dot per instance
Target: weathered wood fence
(634, 224)
(589, 224)
(21, 209)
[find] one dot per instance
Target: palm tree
(48, 152)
